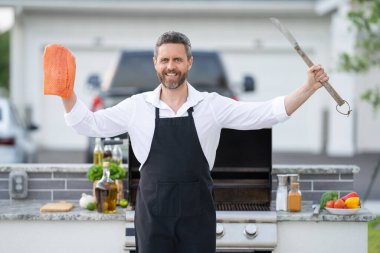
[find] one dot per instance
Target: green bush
(374, 236)
(4, 60)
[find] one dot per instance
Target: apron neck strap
(157, 113)
(190, 111)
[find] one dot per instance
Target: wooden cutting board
(57, 207)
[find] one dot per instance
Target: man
(175, 132)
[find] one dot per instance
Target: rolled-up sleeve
(279, 109)
(248, 115)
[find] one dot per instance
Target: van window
(136, 70)
(207, 71)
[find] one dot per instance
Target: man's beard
(173, 84)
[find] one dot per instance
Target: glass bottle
(107, 156)
(294, 198)
(117, 154)
(98, 152)
(106, 192)
(293, 178)
(282, 193)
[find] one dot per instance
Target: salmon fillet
(59, 71)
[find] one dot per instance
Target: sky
(6, 18)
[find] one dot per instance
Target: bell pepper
(350, 195)
(352, 203)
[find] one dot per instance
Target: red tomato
(339, 204)
(330, 204)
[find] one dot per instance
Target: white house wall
(248, 45)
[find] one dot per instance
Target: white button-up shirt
(212, 112)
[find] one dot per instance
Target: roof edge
(225, 7)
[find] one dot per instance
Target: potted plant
(117, 173)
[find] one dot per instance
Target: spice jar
(282, 193)
(294, 198)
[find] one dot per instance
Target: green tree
(365, 19)
(4, 60)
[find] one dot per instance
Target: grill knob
(250, 231)
(219, 230)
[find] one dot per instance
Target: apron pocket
(190, 198)
(168, 199)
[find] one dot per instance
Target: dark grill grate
(242, 206)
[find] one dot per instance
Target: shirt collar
(193, 97)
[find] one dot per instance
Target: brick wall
(312, 186)
(52, 185)
(49, 182)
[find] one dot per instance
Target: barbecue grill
(242, 192)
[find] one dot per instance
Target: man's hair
(176, 38)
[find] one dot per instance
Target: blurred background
(96, 31)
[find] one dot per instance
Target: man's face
(172, 65)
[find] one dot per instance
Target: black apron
(174, 208)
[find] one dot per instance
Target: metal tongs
(309, 63)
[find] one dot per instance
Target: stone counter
(306, 214)
(315, 169)
(29, 210)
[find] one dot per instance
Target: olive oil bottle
(107, 154)
(98, 152)
(106, 192)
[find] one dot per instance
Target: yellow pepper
(352, 203)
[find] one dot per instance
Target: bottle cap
(282, 179)
(295, 185)
(294, 178)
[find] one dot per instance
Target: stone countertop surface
(276, 169)
(29, 210)
(315, 169)
(306, 214)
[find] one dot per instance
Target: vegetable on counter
(95, 172)
(350, 195)
(123, 203)
(352, 203)
(330, 204)
(91, 206)
(327, 196)
(85, 200)
(339, 204)
(330, 200)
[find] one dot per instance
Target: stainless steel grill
(242, 177)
